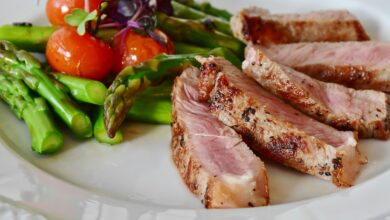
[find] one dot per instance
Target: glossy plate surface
(137, 179)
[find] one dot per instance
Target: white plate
(137, 180)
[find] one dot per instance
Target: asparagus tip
(111, 132)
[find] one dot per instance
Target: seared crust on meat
(225, 188)
(358, 77)
(365, 111)
(189, 168)
(207, 82)
(353, 76)
(359, 65)
(259, 26)
(268, 134)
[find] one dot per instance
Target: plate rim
(157, 208)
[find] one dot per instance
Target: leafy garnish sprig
(83, 20)
(139, 15)
(80, 19)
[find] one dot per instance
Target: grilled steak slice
(277, 131)
(259, 26)
(212, 159)
(365, 111)
(359, 65)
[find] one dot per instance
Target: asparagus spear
(183, 48)
(153, 105)
(31, 38)
(151, 110)
(195, 32)
(34, 38)
(207, 8)
(227, 54)
(100, 133)
(84, 90)
(46, 138)
(183, 11)
(161, 91)
(23, 66)
(131, 81)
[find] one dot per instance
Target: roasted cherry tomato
(56, 10)
(83, 56)
(131, 48)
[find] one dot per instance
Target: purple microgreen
(133, 24)
(164, 6)
(79, 18)
(127, 12)
(138, 15)
(121, 11)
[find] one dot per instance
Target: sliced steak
(365, 111)
(259, 26)
(212, 159)
(359, 65)
(275, 130)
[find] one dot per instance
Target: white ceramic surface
(137, 180)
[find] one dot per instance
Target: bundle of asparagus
(21, 65)
(22, 74)
(46, 138)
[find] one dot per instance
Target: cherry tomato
(56, 10)
(83, 56)
(131, 48)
